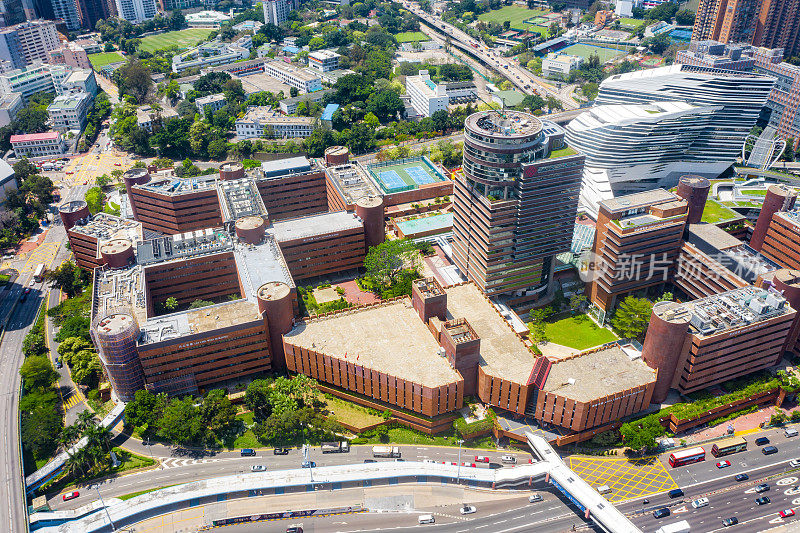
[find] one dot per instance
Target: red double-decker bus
(686, 457)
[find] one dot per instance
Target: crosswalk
(72, 400)
(171, 462)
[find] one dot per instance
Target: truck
(386, 451)
(336, 447)
(675, 527)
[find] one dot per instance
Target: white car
(468, 509)
(794, 463)
(534, 498)
(509, 459)
(258, 468)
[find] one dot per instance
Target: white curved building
(706, 113)
(633, 148)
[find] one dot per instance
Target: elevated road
(522, 78)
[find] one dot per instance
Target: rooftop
(733, 254)
(323, 55)
(313, 225)
(210, 99)
(207, 16)
(29, 137)
(502, 352)
(104, 227)
(589, 376)
(282, 167)
(638, 200)
(240, 198)
(179, 186)
(734, 309)
(68, 102)
(508, 124)
(389, 338)
(299, 73)
(265, 115)
(308, 97)
(352, 182)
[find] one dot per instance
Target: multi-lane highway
(19, 314)
(522, 78)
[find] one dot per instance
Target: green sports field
(411, 36)
(180, 38)
(586, 50)
(102, 59)
(514, 14)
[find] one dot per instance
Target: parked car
(786, 513)
(510, 459)
(248, 452)
(760, 441)
(661, 513)
(732, 521)
(70, 495)
(294, 529)
(370, 461)
(763, 500)
(468, 509)
(742, 477)
(763, 487)
(769, 450)
(790, 432)
(280, 451)
(258, 468)
(723, 464)
(481, 459)
(794, 463)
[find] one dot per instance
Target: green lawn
(248, 438)
(411, 36)
(102, 59)
(180, 38)
(586, 50)
(578, 332)
(351, 413)
(754, 192)
(401, 435)
(514, 14)
(631, 23)
(135, 494)
(715, 212)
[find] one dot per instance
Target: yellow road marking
(626, 478)
(44, 253)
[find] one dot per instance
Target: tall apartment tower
(136, 11)
(34, 39)
(277, 11)
(11, 12)
(92, 11)
(67, 10)
(778, 25)
(515, 203)
(725, 20)
(11, 56)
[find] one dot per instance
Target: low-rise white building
(80, 81)
(207, 55)
(215, 102)
(248, 25)
(289, 105)
(264, 122)
(302, 79)
(207, 19)
(560, 65)
(658, 28)
(38, 144)
(10, 105)
(27, 81)
(323, 60)
(68, 111)
(146, 116)
(426, 96)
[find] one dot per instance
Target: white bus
(38, 274)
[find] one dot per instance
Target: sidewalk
(743, 425)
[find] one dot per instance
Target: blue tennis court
(391, 180)
(420, 175)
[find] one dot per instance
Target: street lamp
(97, 488)
(458, 474)
(150, 449)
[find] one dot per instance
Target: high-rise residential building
(515, 203)
(32, 40)
(778, 25)
(11, 12)
(69, 54)
(277, 11)
(725, 20)
(136, 11)
(11, 55)
(91, 11)
(768, 23)
(634, 157)
(67, 10)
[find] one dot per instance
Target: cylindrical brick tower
(134, 176)
(117, 253)
(72, 212)
(251, 229)
(370, 210)
(788, 282)
(275, 305)
(115, 336)
(336, 155)
(231, 171)
(694, 189)
(778, 198)
(663, 346)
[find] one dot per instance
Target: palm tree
(85, 420)
(68, 436)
